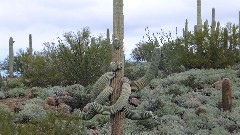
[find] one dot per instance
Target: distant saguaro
(199, 15)
(239, 26)
(108, 36)
(213, 20)
(186, 28)
(226, 94)
(206, 24)
(11, 57)
(30, 45)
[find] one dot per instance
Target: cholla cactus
(226, 94)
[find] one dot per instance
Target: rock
(52, 101)
(200, 109)
(134, 101)
(64, 107)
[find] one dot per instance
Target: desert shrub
(176, 90)
(170, 81)
(5, 108)
(171, 125)
(43, 93)
(13, 83)
(136, 71)
(219, 131)
(147, 124)
(16, 92)
(193, 122)
(75, 89)
(238, 74)
(202, 132)
(30, 113)
(37, 101)
(55, 90)
(2, 95)
(80, 95)
(53, 124)
(6, 120)
(219, 122)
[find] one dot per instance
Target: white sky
(48, 19)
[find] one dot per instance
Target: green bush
(30, 113)
(17, 92)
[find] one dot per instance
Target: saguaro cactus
(226, 94)
(117, 119)
(239, 28)
(108, 35)
(206, 24)
(186, 28)
(199, 15)
(30, 45)
(213, 20)
(11, 57)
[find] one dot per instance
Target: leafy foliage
(218, 48)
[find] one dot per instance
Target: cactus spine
(199, 16)
(30, 45)
(11, 57)
(226, 94)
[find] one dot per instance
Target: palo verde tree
(82, 58)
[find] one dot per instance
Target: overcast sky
(48, 19)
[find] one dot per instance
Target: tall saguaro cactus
(11, 57)
(199, 15)
(186, 28)
(239, 28)
(213, 20)
(117, 119)
(30, 45)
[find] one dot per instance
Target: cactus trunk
(108, 36)
(117, 119)
(186, 28)
(199, 16)
(11, 57)
(226, 94)
(239, 28)
(213, 20)
(30, 46)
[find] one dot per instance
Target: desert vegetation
(192, 86)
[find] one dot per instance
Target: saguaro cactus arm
(151, 72)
